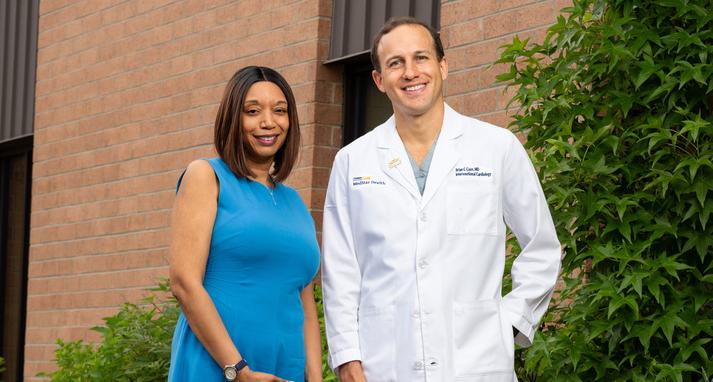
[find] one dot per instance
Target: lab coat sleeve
(341, 276)
(535, 270)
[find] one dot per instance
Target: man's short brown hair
(394, 22)
(228, 133)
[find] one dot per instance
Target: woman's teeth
(268, 139)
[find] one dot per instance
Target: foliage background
(617, 108)
(136, 344)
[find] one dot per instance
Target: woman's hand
(247, 375)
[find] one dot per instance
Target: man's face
(411, 75)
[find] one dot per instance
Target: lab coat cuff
(527, 332)
(343, 356)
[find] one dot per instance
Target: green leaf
(701, 189)
(644, 333)
(647, 69)
(668, 324)
(653, 284)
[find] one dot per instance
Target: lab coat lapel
(445, 155)
(393, 158)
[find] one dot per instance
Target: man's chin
(415, 111)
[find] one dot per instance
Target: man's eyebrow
(400, 56)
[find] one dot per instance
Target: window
(354, 25)
(365, 107)
(15, 181)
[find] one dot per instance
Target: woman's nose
(267, 122)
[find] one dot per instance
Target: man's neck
(418, 133)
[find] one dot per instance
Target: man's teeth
(414, 87)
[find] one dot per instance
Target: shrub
(135, 346)
(617, 106)
(327, 374)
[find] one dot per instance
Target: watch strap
(241, 365)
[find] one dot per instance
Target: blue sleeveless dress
(263, 252)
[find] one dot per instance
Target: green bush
(617, 107)
(136, 344)
(327, 374)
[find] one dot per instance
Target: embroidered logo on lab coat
(473, 171)
(364, 180)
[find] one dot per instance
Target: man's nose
(410, 70)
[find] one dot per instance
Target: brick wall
(472, 32)
(126, 96)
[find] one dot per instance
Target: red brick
(461, 34)
(463, 81)
(518, 19)
(476, 103)
(48, 6)
(499, 118)
(455, 12)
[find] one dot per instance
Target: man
(414, 233)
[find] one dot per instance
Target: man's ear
(376, 76)
(444, 68)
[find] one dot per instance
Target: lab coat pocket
(377, 343)
(472, 209)
(479, 347)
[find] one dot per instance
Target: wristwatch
(231, 372)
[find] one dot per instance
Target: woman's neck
(262, 173)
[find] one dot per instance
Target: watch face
(230, 373)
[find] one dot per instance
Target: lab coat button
(423, 264)
(418, 365)
(423, 217)
(414, 314)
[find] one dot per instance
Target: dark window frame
(355, 98)
(9, 150)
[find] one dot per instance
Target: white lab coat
(412, 283)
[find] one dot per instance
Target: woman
(243, 249)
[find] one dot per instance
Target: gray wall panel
(356, 22)
(18, 65)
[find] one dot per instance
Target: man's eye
(393, 64)
(422, 58)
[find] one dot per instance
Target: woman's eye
(252, 111)
(281, 111)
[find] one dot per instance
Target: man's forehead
(406, 39)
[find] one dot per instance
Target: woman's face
(265, 121)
